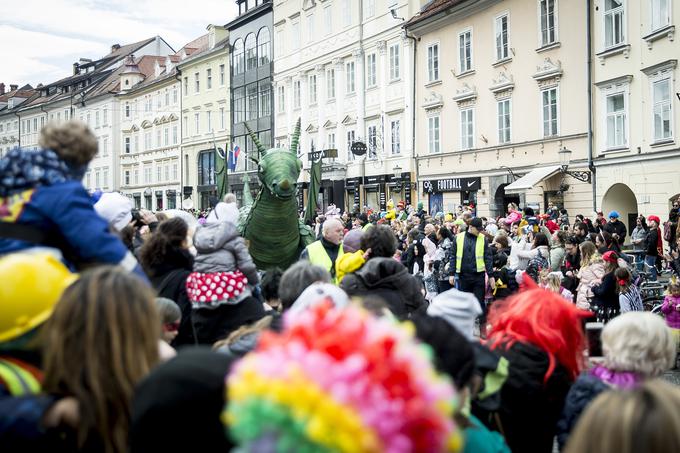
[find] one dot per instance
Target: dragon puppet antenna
(296, 137)
(260, 148)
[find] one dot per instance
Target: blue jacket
(65, 211)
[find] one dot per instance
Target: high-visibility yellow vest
(18, 380)
(479, 252)
(367, 226)
(319, 257)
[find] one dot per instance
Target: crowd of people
(126, 330)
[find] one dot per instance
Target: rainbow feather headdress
(340, 381)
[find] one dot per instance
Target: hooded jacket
(390, 280)
(43, 194)
(221, 249)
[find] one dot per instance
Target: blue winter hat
(614, 214)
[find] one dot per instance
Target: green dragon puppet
(270, 223)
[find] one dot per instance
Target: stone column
(383, 80)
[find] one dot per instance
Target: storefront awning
(532, 178)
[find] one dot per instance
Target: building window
(167, 172)
(174, 135)
(371, 76)
(158, 100)
(278, 43)
(206, 168)
(96, 118)
(328, 20)
(502, 45)
(197, 83)
(616, 120)
(167, 98)
(185, 126)
(394, 62)
(105, 177)
(370, 8)
(209, 120)
(296, 94)
(158, 138)
(222, 75)
(396, 136)
(127, 145)
(265, 99)
(251, 52)
(282, 99)
(127, 110)
(295, 35)
(312, 89)
(237, 55)
(251, 104)
(159, 173)
(175, 173)
(330, 84)
(349, 69)
(347, 13)
(126, 178)
(223, 117)
(662, 115)
(549, 103)
(310, 27)
(465, 51)
(147, 141)
(136, 144)
(548, 27)
(105, 147)
(330, 142)
(186, 86)
(372, 142)
(433, 134)
(263, 46)
(433, 63)
(614, 22)
(208, 79)
(503, 110)
(106, 116)
(661, 14)
(467, 129)
(350, 140)
(239, 105)
(136, 176)
(197, 123)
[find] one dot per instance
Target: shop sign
(322, 153)
(382, 198)
(358, 148)
(375, 179)
(452, 185)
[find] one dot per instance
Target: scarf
(622, 379)
(23, 169)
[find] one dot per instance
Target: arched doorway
(501, 201)
(620, 198)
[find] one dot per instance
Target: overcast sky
(41, 39)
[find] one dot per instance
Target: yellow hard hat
(32, 286)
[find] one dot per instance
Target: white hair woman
(637, 346)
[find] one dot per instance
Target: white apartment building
(150, 132)
(345, 68)
(9, 121)
(88, 95)
(635, 94)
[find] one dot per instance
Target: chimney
(114, 47)
(2, 88)
(76, 69)
(13, 87)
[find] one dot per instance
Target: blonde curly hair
(73, 141)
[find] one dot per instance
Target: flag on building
(233, 157)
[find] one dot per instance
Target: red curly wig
(543, 319)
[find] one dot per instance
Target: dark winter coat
(651, 243)
(617, 227)
(388, 279)
(169, 280)
(605, 292)
(529, 408)
(585, 389)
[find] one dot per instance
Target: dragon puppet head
(278, 168)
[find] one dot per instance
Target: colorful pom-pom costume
(340, 381)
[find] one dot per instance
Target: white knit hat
(115, 208)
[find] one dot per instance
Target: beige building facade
(501, 102)
(204, 116)
(635, 106)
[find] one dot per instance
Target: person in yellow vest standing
(328, 249)
(471, 261)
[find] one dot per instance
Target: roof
(432, 8)
(25, 91)
(204, 51)
(146, 65)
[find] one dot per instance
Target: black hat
(177, 407)
(477, 223)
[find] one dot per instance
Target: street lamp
(397, 171)
(565, 159)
